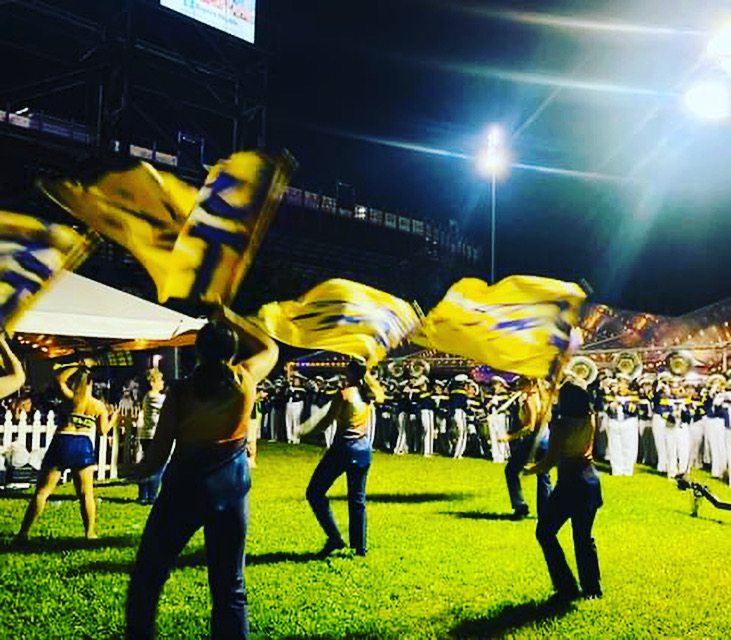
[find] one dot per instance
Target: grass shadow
(410, 498)
(59, 545)
(690, 515)
(119, 500)
(27, 494)
(196, 559)
(481, 515)
(511, 617)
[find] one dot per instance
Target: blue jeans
(577, 496)
(352, 457)
(150, 486)
(208, 488)
(519, 454)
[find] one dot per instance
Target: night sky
(394, 97)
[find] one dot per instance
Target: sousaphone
(627, 364)
(581, 370)
(396, 369)
(418, 368)
(679, 363)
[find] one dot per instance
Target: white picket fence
(114, 451)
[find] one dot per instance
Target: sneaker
(521, 512)
(330, 546)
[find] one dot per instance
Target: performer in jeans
(147, 423)
(526, 421)
(577, 494)
(208, 416)
(350, 453)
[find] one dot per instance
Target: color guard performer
(577, 494)
(528, 417)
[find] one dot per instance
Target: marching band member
(426, 413)
(717, 415)
(676, 433)
(497, 420)
(696, 428)
(441, 411)
(601, 437)
(628, 430)
(614, 416)
(476, 417)
(404, 417)
(278, 404)
(661, 409)
(648, 452)
(458, 405)
(388, 415)
(295, 399)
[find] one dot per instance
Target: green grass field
(443, 561)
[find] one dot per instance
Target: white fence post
(36, 428)
(8, 428)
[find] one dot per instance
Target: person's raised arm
(105, 422)
(14, 376)
(264, 351)
(325, 421)
(63, 380)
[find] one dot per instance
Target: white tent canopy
(78, 306)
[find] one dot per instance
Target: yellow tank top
(219, 419)
(352, 421)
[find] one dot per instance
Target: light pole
(493, 161)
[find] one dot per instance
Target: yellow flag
(232, 213)
(520, 324)
(341, 316)
(141, 209)
(32, 252)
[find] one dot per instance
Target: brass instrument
(418, 368)
(581, 370)
(396, 369)
(628, 365)
(679, 363)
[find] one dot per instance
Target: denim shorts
(69, 451)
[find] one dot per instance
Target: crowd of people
(665, 421)
(200, 437)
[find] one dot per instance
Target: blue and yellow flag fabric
(341, 316)
(32, 252)
(141, 209)
(521, 324)
(220, 239)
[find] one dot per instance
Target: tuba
(396, 369)
(627, 364)
(581, 370)
(679, 363)
(418, 368)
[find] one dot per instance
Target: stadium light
(708, 99)
(493, 158)
(493, 161)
